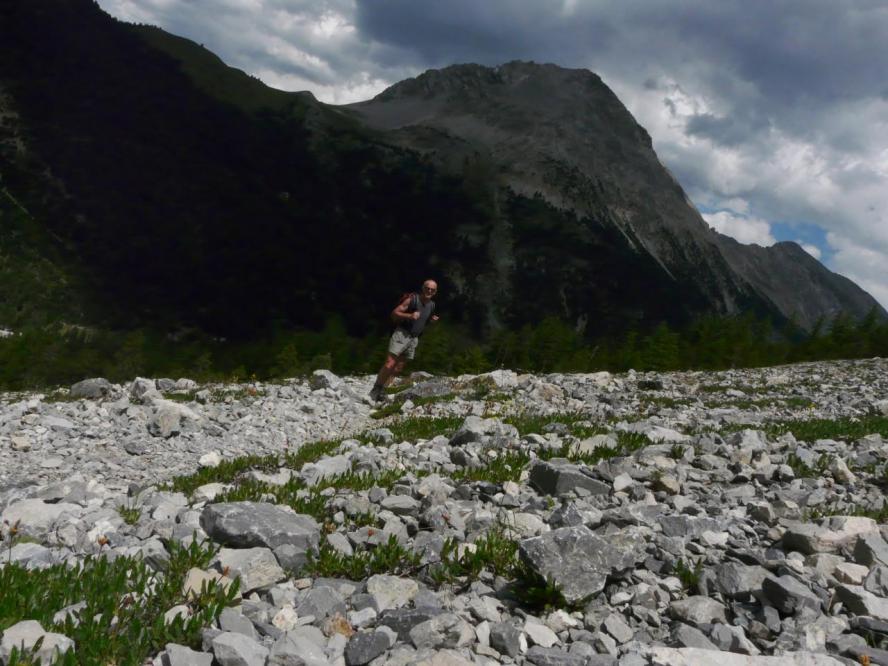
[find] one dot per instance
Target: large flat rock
(828, 535)
(860, 601)
(557, 476)
(258, 524)
(666, 656)
(35, 517)
(579, 561)
(663, 656)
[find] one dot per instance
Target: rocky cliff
(562, 135)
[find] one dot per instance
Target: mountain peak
(472, 80)
(562, 136)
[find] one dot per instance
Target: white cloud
(868, 267)
(813, 250)
(357, 88)
(332, 25)
(744, 229)
(288, 44)
(835, 179)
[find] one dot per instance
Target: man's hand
(415, 315)
(435, 317)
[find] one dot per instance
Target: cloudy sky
(773, 114)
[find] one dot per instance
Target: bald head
(429, 289)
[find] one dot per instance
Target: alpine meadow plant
(495, 552)
(124, 601)
(389, 557)
(688, 575)
(507, 466)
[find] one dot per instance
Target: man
(410, 317)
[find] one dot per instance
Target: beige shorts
(403, 344)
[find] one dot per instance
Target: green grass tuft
(537, 593)
(395, 406)
(310, 452)
(801, 469)
(224, 472)
(689, 577)
(130, 514)
(413, 428)
(847, 429)
(507, 466)
(388, 558)
(528, 423)
(494, 553)
(122, 622)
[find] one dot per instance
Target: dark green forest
(42, 357)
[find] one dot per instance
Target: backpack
(414, 305)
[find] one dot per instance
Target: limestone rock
(391, 591)
(697, 610)
(179, 655)
(255, 567)
(25, 634)
(828, 535)
(557, 476)
(91, 388)
(665, 656)
(579, 561)
(232, 649)
(364, 647)
(35, 517)
(862, 602)
(789, 595)
(252, 524)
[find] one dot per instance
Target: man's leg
(400, 362)
(386, 372)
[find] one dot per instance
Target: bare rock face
(567, 138)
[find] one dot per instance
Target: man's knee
(391, 362)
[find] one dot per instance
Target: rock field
(690, 518)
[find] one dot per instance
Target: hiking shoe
(376, 394)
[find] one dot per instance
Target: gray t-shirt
(417, 326)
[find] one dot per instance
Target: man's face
(429, 289)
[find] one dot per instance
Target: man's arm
(400, 313)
